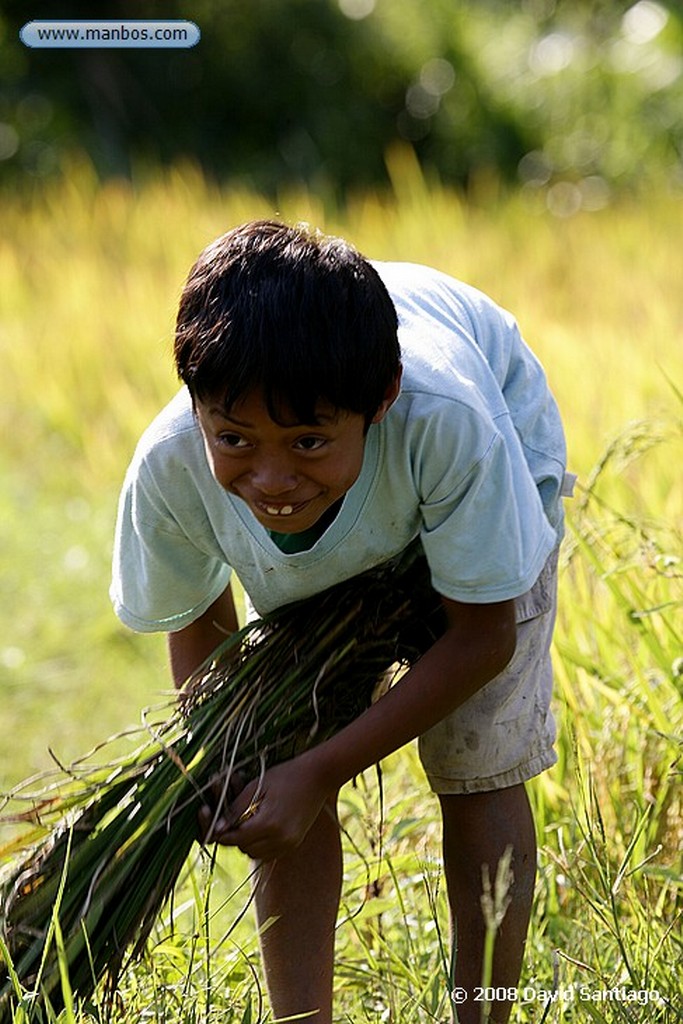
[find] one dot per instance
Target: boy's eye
(232, 440)
(311, 444)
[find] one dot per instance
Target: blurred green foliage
(586, 95)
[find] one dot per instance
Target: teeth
(286, 510)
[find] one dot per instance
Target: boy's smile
(289, 475)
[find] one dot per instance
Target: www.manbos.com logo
(63, 34)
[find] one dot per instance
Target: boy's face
(289, 475)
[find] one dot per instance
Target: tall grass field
(90, 275)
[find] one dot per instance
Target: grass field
(90, 279)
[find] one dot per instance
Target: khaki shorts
(504, 733)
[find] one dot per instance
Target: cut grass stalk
(117, 841)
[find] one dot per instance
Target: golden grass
(91, 275)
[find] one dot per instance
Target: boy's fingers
(229, 804)
(220, 789)
(215, 823)
(224, 828)
(204, 819)
(211, 827)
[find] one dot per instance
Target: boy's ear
(390, 396)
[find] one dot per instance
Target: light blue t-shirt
(470, 458)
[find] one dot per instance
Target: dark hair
(301, 316)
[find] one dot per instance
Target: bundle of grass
(83, 889)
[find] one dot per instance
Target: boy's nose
(273, 479)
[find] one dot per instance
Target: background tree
(315, 91)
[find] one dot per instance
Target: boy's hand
(221, 795)
(270, 819)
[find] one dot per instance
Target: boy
(333, 411)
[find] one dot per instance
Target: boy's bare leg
(477, 829)
(302, 892)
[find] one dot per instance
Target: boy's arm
(477, 645)
(189, 647)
